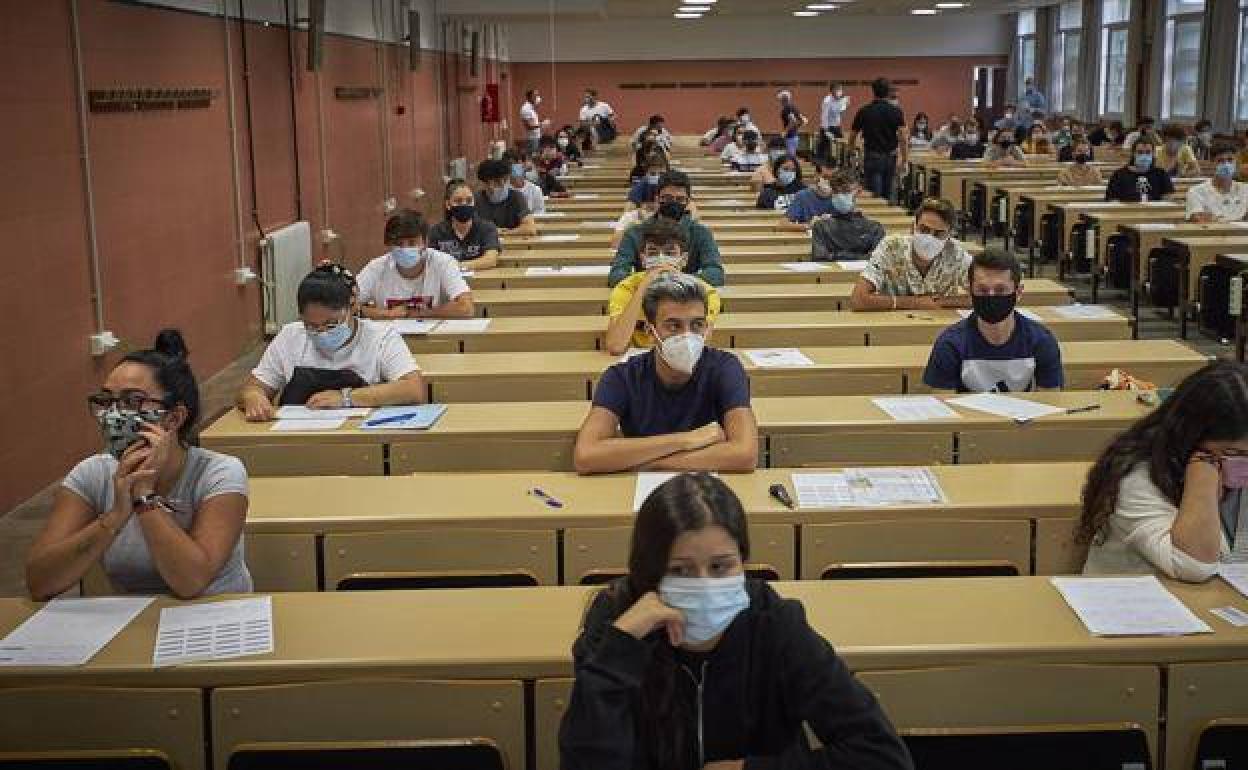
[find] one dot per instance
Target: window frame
(1173, 20)
(1069, 35)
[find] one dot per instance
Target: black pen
(780, 493)
(1078, 409)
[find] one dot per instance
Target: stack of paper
(1236, 575)
(1085, 312)
(308, 425)
(69, 632)
(550, 215)
(214, 631)
(416, 417)
(866, 487)
(915, 408)
(804, 267)
(586, 196)
(414, 325)
(559, 238)
(599, 225)
(779, 358)
(1128, 606)
(1005, 406)
(462, 326)
(852, 265)
(291, 412)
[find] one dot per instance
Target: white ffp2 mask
(682, 351)
(928, 246)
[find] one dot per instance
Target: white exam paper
(414, 325)
(302, 425)
(822, 490)
(550, 215)
(69, 632)
(214, 631)
(647, 483)
(893, 486)
(559, 237)
(1236, 575)
(586, 196)
(294, 412)
(1128, 606)
(1084, 311)
(1005, 406)
(778, 358)
(462, 325)
(804, 267)
(915, 408)
(853, 265)
(1233, 615)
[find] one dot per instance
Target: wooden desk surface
(527, 633)
(738, 274)
(326, 504)
(601, 254)
(600, 237)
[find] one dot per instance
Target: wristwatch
(346, 398)
(148, 502)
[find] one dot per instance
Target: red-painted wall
(944, 86)
(164, 197)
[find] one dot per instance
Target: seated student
(921, 271)
(645, 157)
(647, 185)
(1167, 495)
(687, 663)
(1066, 153)
(662, 252)
(722, 123)
(744, 120)
(645, 209)
(655, 128)
(814, 202)
(1145, 126)
(524, 179)
(974, 141)
(947, 135)
(1139, 180)
(1201, 140)
(1002, 151)
(1221, 199)
(1082, 173)
(846, 233)
(1065, 134)
(786, 173)
(921, 131)
(1038, 142)
(329, 358)
(160, 514)
(568, 148)
(465, 236)
(681, 406)
(735, 148)
(413, 280)
(752, 158)
(1175, 155)
(995, 349)
(726, 137)
(764, 175)
(499, 203)
(550, 164)
(1110, 134)
(675, 201)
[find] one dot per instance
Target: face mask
(775, 155)
(751, 146)
(1144, 161)
(652, 178)
(671, 210)
(407, 257)
(1081, 157)
(562, 142)
(1235, 472)
(499, 195)
(843, 202)
(786, 177)
(532, 176)
(681, 351)
(462, 213)
(922, 124)
(928, 247)
(995, 308)
(745, 118)
(972, 137)
(537, 100)
(1225, 169)
(517, 170)
(708, 604)
(120, 429)
(661, 260)
(823, 188)
(332, 339)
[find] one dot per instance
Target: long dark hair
(167, 358)
(1210, 405)
(685, 503)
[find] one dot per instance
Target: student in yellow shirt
(663, 250)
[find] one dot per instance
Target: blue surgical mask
(786, 177)
(407, 257)
(652, 179)
(517, 170)
(708, 604)
(499, 195)
(1225, 169)
(1144, 161)
(333, 338)
(842, 202)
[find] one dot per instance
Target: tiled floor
(19, 526)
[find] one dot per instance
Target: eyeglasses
(925, 230)
(326, 325)
(673, 199)
(666, 253)
(128, 400)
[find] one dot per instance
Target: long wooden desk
(794, 431)
(1067, 214)
(1194, 253)
(601, 239)
(571, 375)
(767, 274)
(501, 303)
(738, 330)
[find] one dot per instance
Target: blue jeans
(879, 172)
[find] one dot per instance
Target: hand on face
(648, 614)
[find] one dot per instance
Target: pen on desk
(550, 502)
(916, 317)
(780, 493)
(394, 418)
(1078, 409)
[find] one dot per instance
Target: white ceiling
(624, 9)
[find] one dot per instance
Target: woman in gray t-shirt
(160, 515)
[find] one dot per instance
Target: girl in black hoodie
(726, 681)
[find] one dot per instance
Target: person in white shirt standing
(529, 117)
(412, 280)
(598, 117)
(1221, 199)
(830, 113)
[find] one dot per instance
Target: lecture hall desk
(737, 273)
(794, 431)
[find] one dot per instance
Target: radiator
(285, 258)
(458, 168)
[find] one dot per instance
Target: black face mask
(751, 146)
(462, 213)
(1081, 157)
(672, 210)
(994, 308)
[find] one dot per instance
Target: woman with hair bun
(162, 515)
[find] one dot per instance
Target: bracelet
(147, 503)
(894, 302)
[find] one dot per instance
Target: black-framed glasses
(128, 400)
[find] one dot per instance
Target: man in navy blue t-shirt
(995, 349)
(681, 406)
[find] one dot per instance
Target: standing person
(598, 116)
(882, 127)
(529, 118)
(1033, 100)
(687, 664)
(1139, 180)
(831, 112)
(792, 120)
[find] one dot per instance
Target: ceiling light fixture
(951, 5)
(805, 13)
(923, 12)
(690, 9)
(821, 7)
(687, 15)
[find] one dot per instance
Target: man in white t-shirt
(830, 112)
(412, 280)
(595, 113)
(1221, 199)
(530, 120)
(330, 359)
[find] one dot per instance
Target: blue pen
(549, 501)
(395, 418)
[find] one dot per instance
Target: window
(1115, 16)
(1180, 93)
(1066, 57)
(1241, 88)
(1026, 48)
